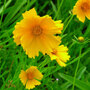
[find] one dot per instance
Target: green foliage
(13, 58)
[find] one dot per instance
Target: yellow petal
(53, 57)
(32, 50)
(36, 82)
(59, 25)
(88, 14)
(26, 40)
(49, 25)
(31, 69)
(17, 40)
(23, 77)
(62, 48)
(30, 84)
(38, 74)
(29, 13)
(81, 15)
(52, 41)
(62, 64)
(63, 56)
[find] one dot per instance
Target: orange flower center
(30, 76)
(37, 30)
(54, 52)
(85, 6)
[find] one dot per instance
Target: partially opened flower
(31, 77)
(60, 54)
(37, 33)
(82, 9)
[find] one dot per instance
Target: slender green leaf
(14, 10)
(80, 84)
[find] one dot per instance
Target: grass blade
(14, 10)
(80, 84)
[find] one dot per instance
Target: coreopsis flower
(82, 9)
(80, 39)
(60, 55)
(31, 77)
(36, 33)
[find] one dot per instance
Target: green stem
(28, 2)
(76, 69)
(2, 13)
(58, 9)
(6, 5)
(46, 61)
(67, 24)
(67, 19)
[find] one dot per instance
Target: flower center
(37, 30)
(85, 6)
(30, 76)
(54, 52)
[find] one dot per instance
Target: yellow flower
(82, 9)
(37, 33)
(81, 39)
(30, 77)
(60, 54)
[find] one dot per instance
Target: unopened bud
(80, 39)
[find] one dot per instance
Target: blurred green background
(75, 76)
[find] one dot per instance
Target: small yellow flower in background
(36, 33)
(30, 77)
(81, 39)
(82, 9)
(60, 54)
